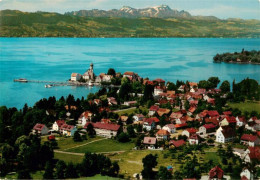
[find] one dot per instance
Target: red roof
(154, 108)
(151, 119)
(191, 130)
(231, 119)
(194, 136)
(177, 143)
(209, 126)
(159, 80)
(99, 125)
(216, 172)
(181, 125)
(38, 127)
(129, 73)
(60, 122)
(254, 152)
(213, 113)
(162, 132)
(149, 140)
(227, 113)
(248, 137)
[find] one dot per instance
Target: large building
(89, 74)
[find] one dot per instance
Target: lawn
(246, 106)
(68, 157)
(106, 145)
(65, 143)
(130, 111)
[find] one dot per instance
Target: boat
(21, 80)
(90, 83)
(48, 85)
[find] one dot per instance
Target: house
(177, 143)
(130, 103)
(153, 110)
(131, 75)
(159, 82)
(212, 121)
(252, 153)
(124, 119)
(40, 129)
(75, 77)
(57, 124)
(189, 131)
(106, 121)
(107, 78)
(241, 121)
(212, 114)
(68, 130)
(250, 140)
(225, 134)
(163, 111)
(228, 121)
(207, 129)
(170, 128)
(149, 142)
(193, 84)
(216, 173)
(194, 139)
(158, 90)
(181, 88)
(181, 126)
(138, 117)
(105, 130)
(150, 123)
(111, 101)
(162, 135)
(97, 102)
(89, 74)
(246, 174)
(85, 117)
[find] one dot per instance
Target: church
(89, 74)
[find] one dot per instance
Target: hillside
(44, 24)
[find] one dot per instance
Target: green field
(66, 143)
(246, 106)
(106, 145)
(68, 157)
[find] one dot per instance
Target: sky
(245, 9)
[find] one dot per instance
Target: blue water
(56, 58)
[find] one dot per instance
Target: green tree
(149, 162)
(225, 87)
(60, 170)
(77, 137)
(71, 171)
(131, 131)
(111, 71)
(123, 137)
(24, 174)
(164, 173)
(90, 130)
(213, 81)
(148, 92)
(48, 174)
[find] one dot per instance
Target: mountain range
(162, 11)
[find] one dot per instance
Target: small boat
(90, 83)
(48, 85)
(21, 80)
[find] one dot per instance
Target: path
(82, 154)
(124, 109)
(84, 144)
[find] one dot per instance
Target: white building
(57, 124)
(246, 173)
(138, 117)
(89, 74)
(85, 117)
(225, 134)
(105, 130)
(170, 128)
(75, 77)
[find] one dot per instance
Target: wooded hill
(15, 23)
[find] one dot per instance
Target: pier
(64, 83)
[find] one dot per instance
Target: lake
(167, 58)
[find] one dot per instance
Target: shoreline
(232, 62)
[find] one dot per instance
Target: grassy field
(246, 106)
(106, 145)
(65, 143)
(130, 111)
(68, 157)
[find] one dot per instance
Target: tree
(148, 92)
(123, 137)
(124, 90)
(60, 170)
(213, 81)
(71, 171)
(187, 105)
(164, 173)
(90, 130)
(77, 137)
(111, 71)
(24, 174)
(131, 131)
(171, 86)
(149, 162)
(48, 174)
(225, 87)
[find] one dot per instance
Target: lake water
(167, 58)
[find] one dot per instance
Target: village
(171, 119)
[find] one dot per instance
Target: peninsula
(250, 57)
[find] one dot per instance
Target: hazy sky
(246, 9)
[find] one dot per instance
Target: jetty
(49, 84)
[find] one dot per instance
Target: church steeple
(91, 66)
